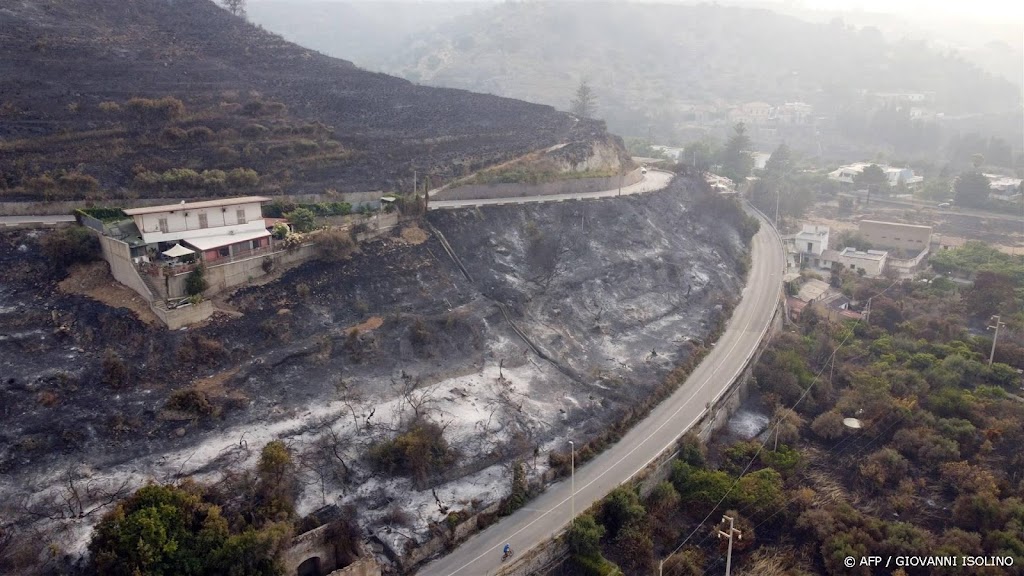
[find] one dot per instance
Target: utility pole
(995, 338)
(867, 313)
(739, 534)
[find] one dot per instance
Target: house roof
(211, 242)
(196, 205)
(900, 224)
(848, 252)
(812, 290)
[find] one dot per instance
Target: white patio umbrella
(178, 251)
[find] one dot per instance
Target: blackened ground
(609, 291)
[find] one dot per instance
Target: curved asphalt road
(548, 514)
(653, 180)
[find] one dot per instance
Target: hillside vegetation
(149, 98)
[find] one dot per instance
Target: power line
(777, 424)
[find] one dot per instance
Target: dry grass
(774, 562)
(94, 281)
(414, 235)
(371, 323)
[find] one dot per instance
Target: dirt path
(94, 281)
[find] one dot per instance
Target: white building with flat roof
(214, 228)
(846, 174)
(806, 246)
(870, 263)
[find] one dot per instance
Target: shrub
(196, 282)
(242, 177)
(200, 133)
(109, 107)
(199, 350)
(520, 490)
(115, 371)
(280, 231)
(302, 291)
(420, 452)
(66, 246)
(302, 219)
(254, 130)
(173, 530)
(192, 401)
(584, 537)
(829, 425)
(174, 134)
(163, 109)
(620, 508)
(336, 245)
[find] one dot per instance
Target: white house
(214, 228)
(806, 247)
(846, 174)
(1003, 185)
(871, 263)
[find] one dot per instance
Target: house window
(162, 224)
(203, 222)
(853, 266)
(810, 247)
(225, 251)
(240, 214)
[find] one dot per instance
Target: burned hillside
(571, 314)
(116, 98)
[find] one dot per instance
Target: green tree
(620, 508)
(159, 531)
(700, 154)
(276, 488)
(972, 189)
(584, 537)
(735, 158)
(584, 104)
(301, 219)
(195, 282)
(874, 179)
(780, 163)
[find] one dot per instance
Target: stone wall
(316, 544)
(573, 186)
(366, 566)
(119, 256)
(185, 315)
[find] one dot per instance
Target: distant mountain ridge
(303, 121)
(646, 60)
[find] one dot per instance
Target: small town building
(912, 238)
(846, 174)
(805, 247)
(212, 229)
(870, 263)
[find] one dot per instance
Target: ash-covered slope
(348, 352)
(60, 60)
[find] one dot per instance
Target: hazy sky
(981, 9)
(986, 9)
